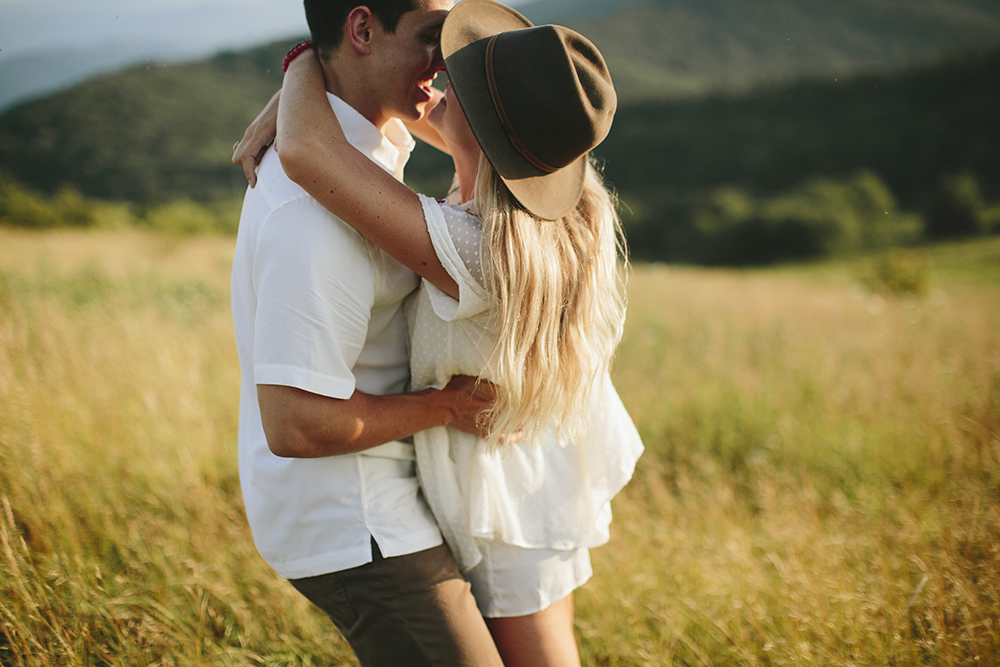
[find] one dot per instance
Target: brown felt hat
(538, 99)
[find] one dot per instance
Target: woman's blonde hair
(559, 294)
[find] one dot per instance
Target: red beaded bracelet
(293, 54)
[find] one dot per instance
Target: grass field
(821, 483)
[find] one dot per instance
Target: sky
(194, 27)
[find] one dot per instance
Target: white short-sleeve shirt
(317, 307)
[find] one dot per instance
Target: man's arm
(300, 424)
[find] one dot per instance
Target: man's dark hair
(326, 18)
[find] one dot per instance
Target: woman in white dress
(522, 287)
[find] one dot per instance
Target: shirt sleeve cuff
(316, 383)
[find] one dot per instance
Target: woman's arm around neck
(316, 155)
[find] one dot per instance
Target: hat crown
(537, 98)
(555, 91)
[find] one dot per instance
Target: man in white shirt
(329, 486)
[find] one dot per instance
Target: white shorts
(513, 581)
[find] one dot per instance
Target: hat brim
(464, 38)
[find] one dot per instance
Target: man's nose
(437, 59)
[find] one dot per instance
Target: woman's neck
(466, 167)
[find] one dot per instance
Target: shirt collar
(390, 150)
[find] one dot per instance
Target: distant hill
(40, 74)
(567, 11)
(148, 133)
(668, 48)
(910, 128)
(159, 131)
(914, 131)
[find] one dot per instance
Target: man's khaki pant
(414, 610)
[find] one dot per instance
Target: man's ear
(359, 25)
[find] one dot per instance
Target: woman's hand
(249, 151)
(421, 129)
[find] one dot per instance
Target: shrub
(883, 225)
(183, 216)
(956, 208)
(991, 220)
(71, 209)
(23, 207)
(819, 217)
(899, 272)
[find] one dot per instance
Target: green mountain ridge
(148, 133)
(714, 94)
(909, 127)
(915, 137)
(669, 48)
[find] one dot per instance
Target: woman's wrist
(295, 52)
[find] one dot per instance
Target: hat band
(504, 123)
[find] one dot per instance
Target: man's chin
(413, 113)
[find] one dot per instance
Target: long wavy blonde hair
(559, 294)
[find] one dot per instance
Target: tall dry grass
(122, 537)
(822, 480)
(821, 483)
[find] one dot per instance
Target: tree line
(809, 169)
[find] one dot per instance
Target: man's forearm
(301, 424)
